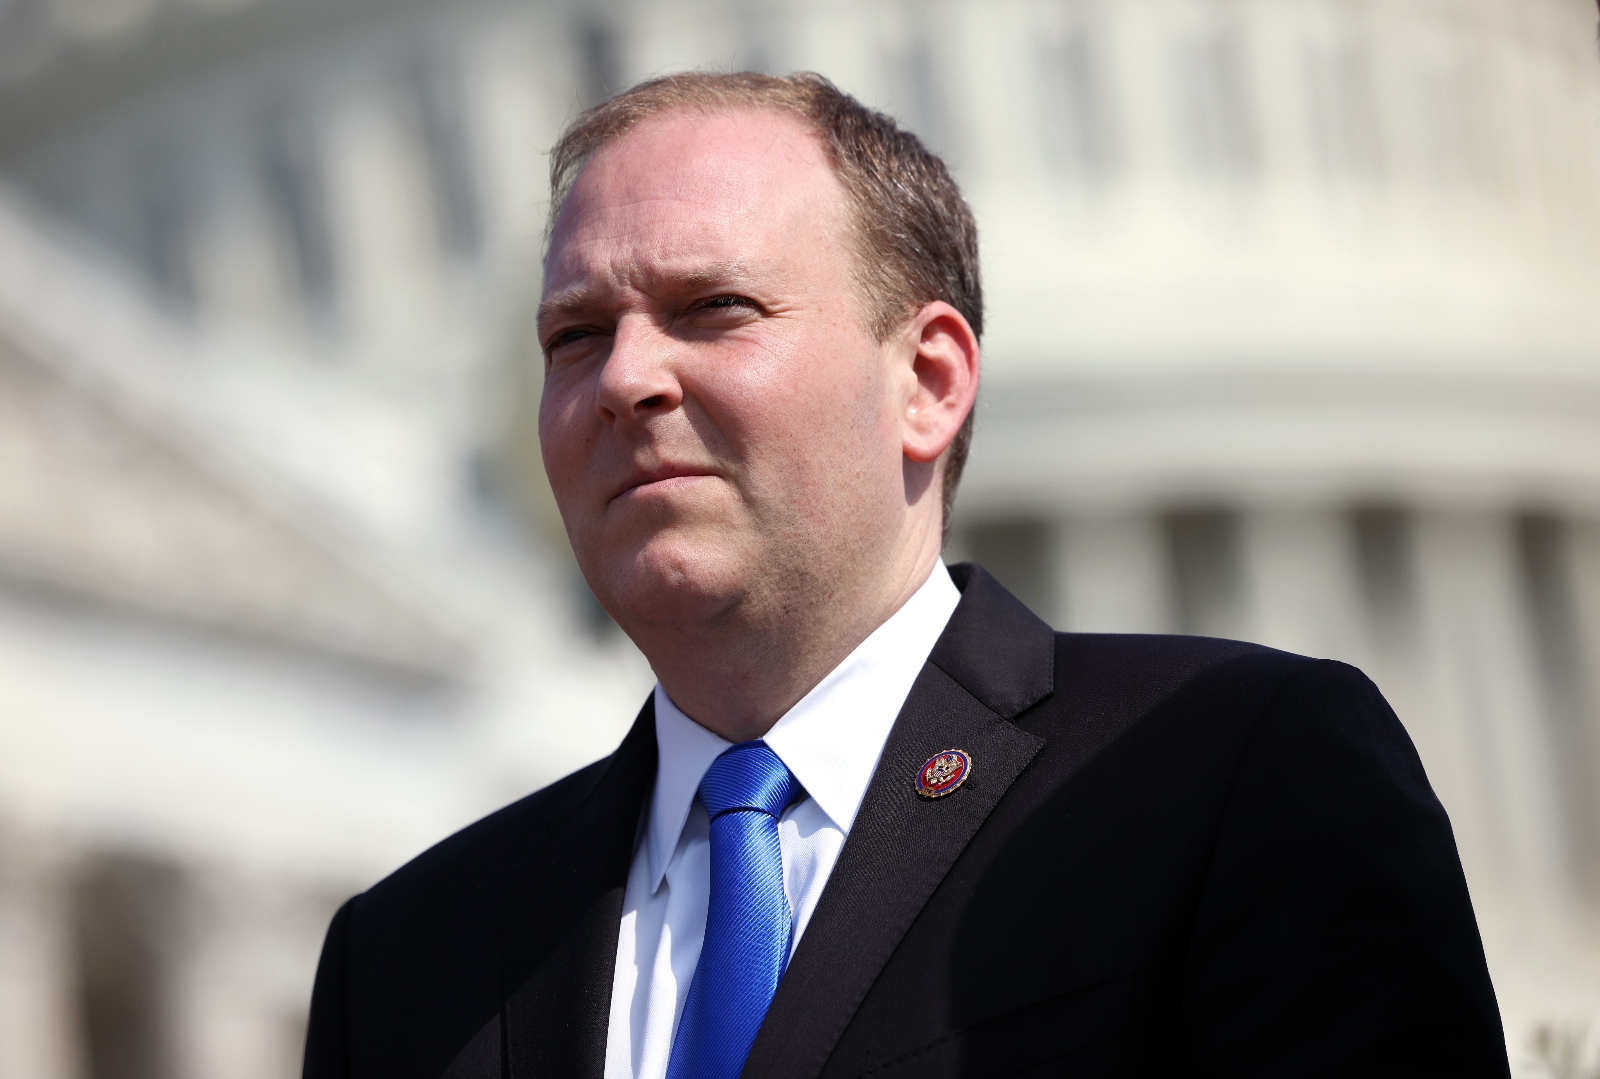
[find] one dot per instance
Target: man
(876, 817)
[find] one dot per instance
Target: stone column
(1584, 553)
(1580, 694)
(1487, 739)
(382, 221)
(242, 977)
(39, 1030)
(1111, 574)
(1302, 590)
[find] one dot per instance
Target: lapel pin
(944, 772)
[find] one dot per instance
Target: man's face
(719, 427)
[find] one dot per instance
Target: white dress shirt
(831, 741)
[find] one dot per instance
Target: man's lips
(662, 477)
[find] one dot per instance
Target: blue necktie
(748, 923)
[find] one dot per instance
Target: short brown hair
(917, 240)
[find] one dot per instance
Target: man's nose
(637, 380)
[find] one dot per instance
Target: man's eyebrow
(567, 301)
(734, 273)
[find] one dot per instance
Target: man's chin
(662, 587)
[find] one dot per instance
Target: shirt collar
(830, 739)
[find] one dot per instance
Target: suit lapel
(560, 910)
(994, 660)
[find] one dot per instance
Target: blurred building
(1294, 337)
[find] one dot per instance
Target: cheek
(838, 398)
(735, 396)
(804, 408)
(563, 437)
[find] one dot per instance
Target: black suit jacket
(1174, 856)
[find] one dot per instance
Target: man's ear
(945, 363)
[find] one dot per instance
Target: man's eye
(723, 303)
(565, 337)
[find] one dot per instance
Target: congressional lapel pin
(944, 772)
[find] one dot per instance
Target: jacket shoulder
(1155, 666)
(1148, 694)
(1169, 650)
(1136, 667)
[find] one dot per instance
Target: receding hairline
(849, 222)
(707, 109)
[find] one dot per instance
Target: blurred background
(1295, 336)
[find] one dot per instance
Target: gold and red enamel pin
(944, 772)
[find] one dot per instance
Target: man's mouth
(663, 478)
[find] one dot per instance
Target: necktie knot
(748, 776)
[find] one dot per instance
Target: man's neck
(736, 675)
